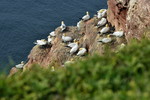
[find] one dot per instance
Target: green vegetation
(115, 76)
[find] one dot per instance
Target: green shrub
(115, 76)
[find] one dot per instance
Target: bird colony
(73, 43)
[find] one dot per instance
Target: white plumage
(74, 49)
(105, 29)
(66, 38)
(102, 22)
(52, 34)
(50, 39)
(101, 13)
(20, 66)
(118, 33)
(86, 17)
(82, 52)
(41, 42)
(105, 40)
(63, 26)
(79, 25)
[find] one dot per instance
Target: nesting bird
(52, 34)
(20, 66)
(86, 17)
(71, 45)
(102, 22)
(105, 29)
(50, 39)
(41, 42)
(118, 33)
(66, 38)
(75, 48)
(79, 25)
(63, 26)
(106, 40)
(82, 52)
(101, 13)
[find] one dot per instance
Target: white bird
(102, 22)
(20, 66)
(118, 33)
(105, 29)
(41, 42)
(66, 38)
(106, 40)
(63, 26)
(52, 34)
(71, 45)
(101, 13)
(79, 25)
(50, 39)
(86, 17)
(82, 52)
(75, 48)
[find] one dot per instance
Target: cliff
(132, 16)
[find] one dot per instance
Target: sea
(22, 22)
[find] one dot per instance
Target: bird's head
(62, 22)
(81, 49)
(64, 34)
(107, 25)
(108, 36)
(87, 13)
(22, 62)
(71, 59)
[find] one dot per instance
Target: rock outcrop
(133, 16)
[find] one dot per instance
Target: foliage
(115, 76)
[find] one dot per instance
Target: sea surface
(24, 21)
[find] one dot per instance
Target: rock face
(133, 16)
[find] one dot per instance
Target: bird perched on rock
(101, 13)
(21, 65)
(86, 17)
(52, 34)
(41, 42)
(75, 48)
(118, 33)
(79, 25)
(102, 22)
(106, 40)
(71, 45)
(50, 39)
(63, 26)
(66, 38)
(82, 52)
(105, 29)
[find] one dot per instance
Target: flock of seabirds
(101, 14)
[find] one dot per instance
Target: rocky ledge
(132, 16)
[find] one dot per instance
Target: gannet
(82, 52)
(66, 38)
(106, 40)
(20, 66)
(101, 13)
(49, 39)
(75, 48)
(79, 25)
(53, 69)
(105, 29)
(41, 42)
(63, 26)
(52, 34)
(86, 17)
(71, 45)
(102, 22)
(118, 33)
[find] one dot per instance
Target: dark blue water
(24, 21)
